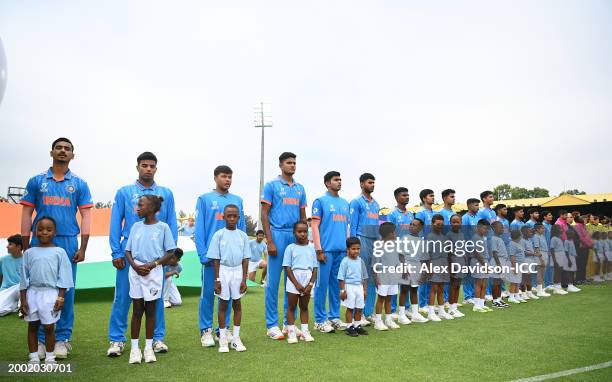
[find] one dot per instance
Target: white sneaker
(402, 319)
(533, 296)
(285, 331)
(378, 325)
(469, 301)
(408, 314)
(543, 294)
(371, 318)
(433, 317)
(223, 345)
(447, 304)
(292, 337)
(418, 318)
(238, 345)
(394, 316)
(158, 347)
(324, 327)
(443, 314)
(34, 361)
(50, 361)
(115, 349)
(597, 279)
(42, 351)
(513, 300)
(364, 322)
(275, 333)
(489, 297)
(505, 294)
(135, 355)
(549, 288)
(525, 296)
(306, 336)
(572, 288)
(423, 310)
(61, 350)
(336, 324)
(391, 324)
(457, 314)
(559, 291)
(207, 340)
(149, 356)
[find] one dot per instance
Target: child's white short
(231, 278)
(147, 287)
(599, 257)
(40, 303)
(9, 300)
(387, 290)
(254, 265)
(354, 296)
(302, 276)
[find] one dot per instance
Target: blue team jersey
(516, 225)
(124, 216)
(468, 223)
(531, 223)
(285, 200)
(486, 214)
(547, 228)
(401, 220)
(59, 199)
(209, 219)
(333, 214)
(446, 214)
(364, 217)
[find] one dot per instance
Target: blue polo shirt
(333, 214)
(547, 228)
(446, 214)
(124, 216)
(209, 219)
(364, 217)
(486, 214)
(257, 250)
(285, 200)
(516, 225)
(59, 199)
(401, 220)
(530, 223)
(468, 223)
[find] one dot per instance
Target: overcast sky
(460, 94)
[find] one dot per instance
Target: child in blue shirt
(10, 270)
(46, 274)
(517, 257)
(172, 296)
(570, 269)
(259, 251)
(558, 256)
(300, 263)
(352, 278)
(530, 259)
(149, 246)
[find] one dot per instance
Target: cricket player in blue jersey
(283, 204)
(208, 220)
(534, 217)
(448, 198)
(59, 194)
(517, 223)
(402, 218)
(364, 225)
(501, 211)
(547, 222)
(330, 220)
(426, 213)
(487, 213)
(469, 220)
(123, 217)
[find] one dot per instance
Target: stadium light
(263, 119)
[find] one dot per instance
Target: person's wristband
(60, 299)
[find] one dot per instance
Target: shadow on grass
(107, 294)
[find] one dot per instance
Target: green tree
(519, 193)
(506, 191)
(251, 225)
(572, 192)
(502, 192)
(539, 192)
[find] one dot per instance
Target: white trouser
(171, 293)
(9, 299)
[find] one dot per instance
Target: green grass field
(540, 337)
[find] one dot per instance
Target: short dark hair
(329, 176)
(419, 220)
(538, 225)
(15, 239)
(499, 206)
(366, 176)
(531, 210)
(556, 230)
(386, 229)
(525, 228)
(437, 217)
(545, 212)
(223, 169)
(562, 212)
(352, 241)
(147, 155)
(472, 201)
(399, 190)
(62, 139)
(297, 223)
(484, 194)
(231, 206)
(424, 193)
(515, 234)
(155, 200)
(517, 209)
(260, 231)
(178, 253)
(484, 222)
(447, 192)
(47, 218)
(286, 155)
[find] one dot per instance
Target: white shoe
(61, 350)
(371, 318)
(533, 296)
(505, 294)
(158, 347)
(135, 355)
(597, 279)
(207, 340)
(402, 319)
(444, 315)
(336, 324)
(543, 294)
(423, 310)
(115, 349)
(378, 325)
(42, 351)
(291, 337)
(572, 288)
(50, 361)
(433, 317)
(149, 356)
(469, 301)
(391, 324)
(513, 300)
(238, 345)
(324, 327)
(167, 304)
(285, 332)
(457, 314)
(447, 305)
(559, 291)
(263, 285)
(489, 297)
(525, 296)
(394, 316)
(418, 318)
(275, 333)
(364, 322)
(408, 314)
(223, 345)
(306, 336)
(608, 276)
(34, 361)
(549, 288)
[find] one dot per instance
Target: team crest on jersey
(44, 187)
(352, 210)
(215, 205)
(154, 291)
(70, 188)
(282, 191)
(315, 210)
(332, 208)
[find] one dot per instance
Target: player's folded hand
(243, 287)
(25, 309)
(119, 263)
(272, 248)
(218, 287)
(343, 296)
(59, 304)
